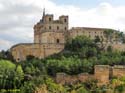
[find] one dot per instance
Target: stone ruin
(102, 73)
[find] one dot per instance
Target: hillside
(80, 55)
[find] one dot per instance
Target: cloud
(5, 44)
(17, 18)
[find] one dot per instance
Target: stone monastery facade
(50, 37)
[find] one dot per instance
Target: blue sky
(17, 17)
(89, 3)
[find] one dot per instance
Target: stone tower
(49, 38)
(50, 31)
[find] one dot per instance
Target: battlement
(49, 18)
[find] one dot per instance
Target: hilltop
(80, 55)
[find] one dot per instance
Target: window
(65, 20)
(57, 40)
(50, 27)
(57, 27)
(65, 28)
(18, 59)
(50, 19)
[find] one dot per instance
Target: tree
(82, 90)
(109, 49)
(7, 70)
(6, 55)
(77, 43)
(97, 39)
(109, 35)
(28, 87)
(19, 76)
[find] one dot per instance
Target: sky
(17, 17)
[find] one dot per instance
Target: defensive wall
(102, 73)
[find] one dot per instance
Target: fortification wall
(102, 74)
(63, 78)
(21, 51)
(118, 71)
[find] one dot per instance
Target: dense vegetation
(80, 55)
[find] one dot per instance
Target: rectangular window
(49, 27)
(57, 27)
(50, 19)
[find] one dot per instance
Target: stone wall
(21, 51)
(118, 71)
(102, 74)
(63, 78)
(86, 31)
(52, 37)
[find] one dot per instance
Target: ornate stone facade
(50, 36)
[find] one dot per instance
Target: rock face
(102, 74)
(50, 36)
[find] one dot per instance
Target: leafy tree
(19, 76)
(120, 88)
(82, 90)
(6, 55)
(109, 35)
(6, 74)
(97, 39)
(109, 49)
(78, 43)
(28, 87)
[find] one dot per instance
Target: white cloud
(17, 18)
(5, 44)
